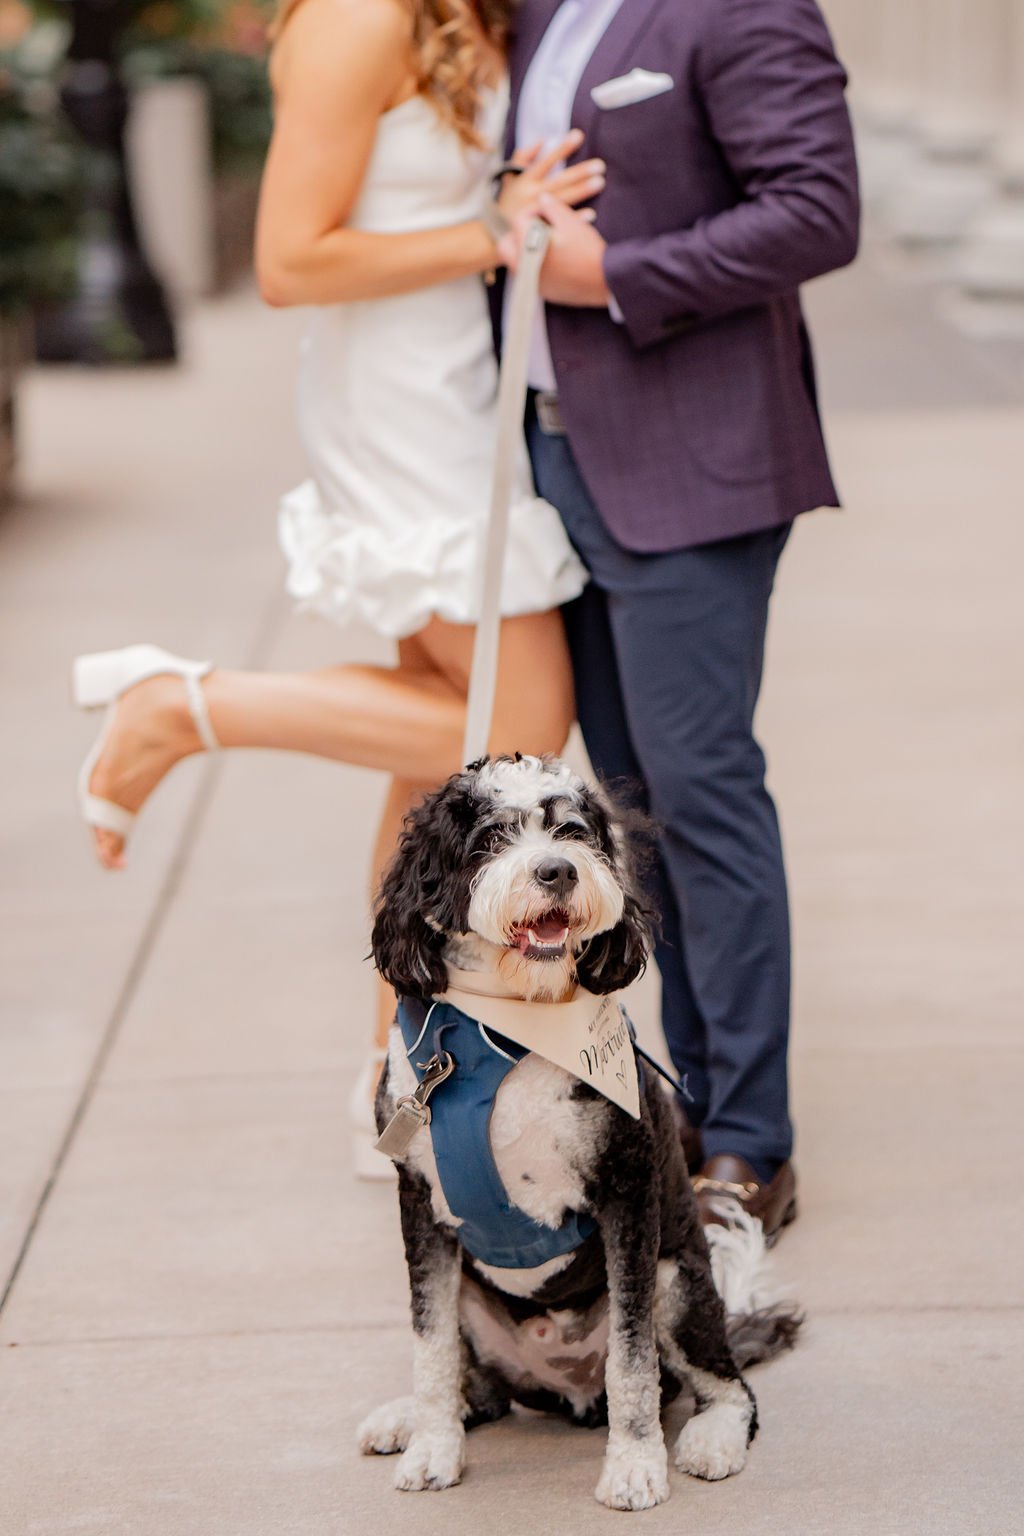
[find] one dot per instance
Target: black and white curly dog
(519, 872)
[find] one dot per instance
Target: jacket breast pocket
(629, 90)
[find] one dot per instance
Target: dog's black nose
(556, 875)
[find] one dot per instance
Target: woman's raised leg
(395, 719)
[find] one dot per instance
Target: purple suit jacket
(697, 419)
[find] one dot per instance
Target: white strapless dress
(397, 411)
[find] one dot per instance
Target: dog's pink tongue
(549, 929)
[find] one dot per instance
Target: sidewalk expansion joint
(285, 1330)
(401, 1323)
(257, 655)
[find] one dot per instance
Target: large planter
(197, 223)
(171, 174)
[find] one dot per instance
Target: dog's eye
(490, 837)
(561, 819)
(572, 826)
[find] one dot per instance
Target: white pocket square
(638, 85)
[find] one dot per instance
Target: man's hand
(544, 173)
(573, 270)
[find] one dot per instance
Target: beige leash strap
(483, 679)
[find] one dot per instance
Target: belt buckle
(549, 414)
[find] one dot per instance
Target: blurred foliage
(41, 170)
(221, 42)
(240, 111)
(240, 26)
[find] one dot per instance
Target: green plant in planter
(40, 179)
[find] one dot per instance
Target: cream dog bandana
(587, 1036)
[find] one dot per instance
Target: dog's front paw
(633, 1478)
(388, 1428)
(713, 1444)
(433, 1459)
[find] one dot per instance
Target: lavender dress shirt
(545, 112)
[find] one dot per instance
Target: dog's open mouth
(543, 938)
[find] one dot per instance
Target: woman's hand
(543, 174)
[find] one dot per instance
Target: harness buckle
(413, 1111)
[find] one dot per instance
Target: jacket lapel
(611, 56)
(623, 33)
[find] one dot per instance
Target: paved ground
(200, 1301)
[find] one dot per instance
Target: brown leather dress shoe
(725, 1178)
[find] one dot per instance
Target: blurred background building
(937, 88)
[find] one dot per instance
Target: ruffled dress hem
(356, 572)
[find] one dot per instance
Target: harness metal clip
(413, 1111)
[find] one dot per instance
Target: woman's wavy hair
(452, 68)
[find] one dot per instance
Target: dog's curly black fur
(424, 895)
(467, 856)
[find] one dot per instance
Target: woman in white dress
(388, 113)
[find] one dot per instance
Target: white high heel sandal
(99, 680)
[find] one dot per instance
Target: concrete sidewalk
(200, 1301)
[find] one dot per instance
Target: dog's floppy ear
(614, 959)
(418, 904)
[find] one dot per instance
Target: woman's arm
(339, 65)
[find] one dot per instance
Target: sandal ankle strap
(199, 711)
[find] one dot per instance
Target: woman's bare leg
(534, 706)
(374, 717)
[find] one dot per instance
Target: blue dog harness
(494, 1229)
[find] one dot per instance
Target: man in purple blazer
(673, 422)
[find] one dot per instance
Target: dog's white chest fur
(539, 1140)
